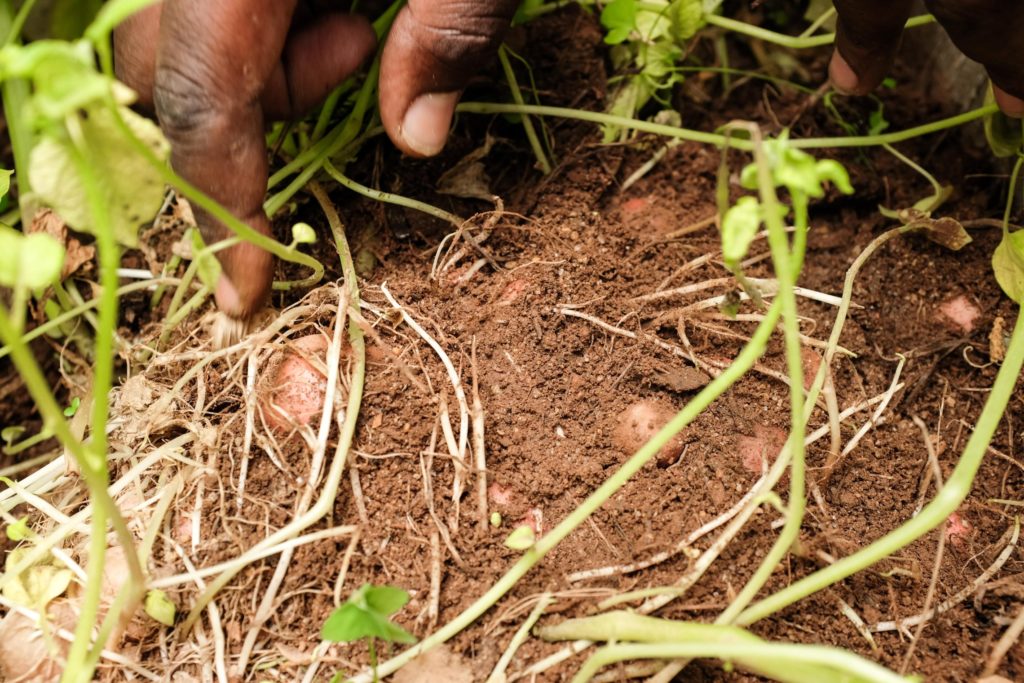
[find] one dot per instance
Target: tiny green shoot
(522, 538)
(366, 615)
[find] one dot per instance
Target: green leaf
(619, 18)
(160, 608)
(303, 233)
(1005, 135)
(18, 531)
(687, 17)
(31, 261)
(73, 408)
(207, 265)
(739, 227)
(347, 623)
(522, 538)
(1008, 264)
(64, 77)
(131, 188)
(365, 615)
(385, 600)
(5, 181)
(112, 14)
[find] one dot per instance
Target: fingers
(434, 48)
(214, 59)
(316, 59)
(990, 32)
(867, 38)
(135, 41)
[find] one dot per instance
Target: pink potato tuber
(642, 420)
(294, 393)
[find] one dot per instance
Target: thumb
(434, 48)
(867, 37)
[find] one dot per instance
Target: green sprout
(366, 615)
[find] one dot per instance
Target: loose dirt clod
(642, 420)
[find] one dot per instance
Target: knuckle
(184, 102)
(458, 33)
(952, 12)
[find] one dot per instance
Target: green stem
(14, 32)
(786, 271)
(743, 362)
(218, 212)
(517, 97)
(794, 42)
(717, 139)
(73, 313)
(1013, 188)
(935, 513)
(842, 665)
(15, 93)
(76, 669)
(343, 134)
(389, 198)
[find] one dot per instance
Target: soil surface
(544, 321)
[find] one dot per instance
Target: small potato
(642, 420)
(25, 652)
(294, 394)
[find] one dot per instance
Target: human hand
(216, 72)
(988, 31)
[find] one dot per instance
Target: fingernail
(842, 76)
(227, 297)
(426, 123)
(1010, 105)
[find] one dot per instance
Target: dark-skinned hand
(988, 31)
(217, 71)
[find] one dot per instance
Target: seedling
(366, 616)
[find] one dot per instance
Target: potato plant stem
(717, 139)
(793, 42)
(389, 198)
(944, 504)
(743, 362)
(517, 97)
(73, 313)
(841, 664)
(787, 267)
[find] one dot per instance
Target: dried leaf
(468, 178)
(76, 254)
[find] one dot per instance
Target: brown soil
(552, 387)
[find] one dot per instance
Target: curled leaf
(303, 233)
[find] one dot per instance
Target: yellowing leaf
(30, 261)
(131, 188)
(160, 608)
(1008, 264)
(36, 586)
